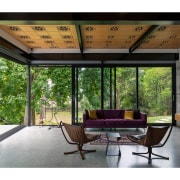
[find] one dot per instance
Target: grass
(50, 119)
(159, 119)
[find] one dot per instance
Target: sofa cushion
(134, 122)
(100, 114)
(112, 114)
(113, 122)
(94, 123)
(129, 115)
(92, 114)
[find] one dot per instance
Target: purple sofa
(114, 119)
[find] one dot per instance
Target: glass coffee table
(113, 138)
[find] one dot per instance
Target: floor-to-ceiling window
(51, 95)
(146, 88)
(155, 93)
(13, 92)
(88, 90)
(108, 88)
(126, 88)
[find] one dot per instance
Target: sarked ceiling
(81, 36)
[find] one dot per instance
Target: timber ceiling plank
(166, 37)
(44, 36)
(111, 36)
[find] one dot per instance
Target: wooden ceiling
(34, 35)
(94, 36)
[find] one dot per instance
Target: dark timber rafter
(150, 31)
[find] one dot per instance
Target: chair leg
(80, 150)
(161, 157)
(142, 155)
(82, 155)
(149, 155)
(71, 152)
(150, 152)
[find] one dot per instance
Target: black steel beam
(11, 55)
(78, 30)
(105, 56)
(144, 37)
(129, 16)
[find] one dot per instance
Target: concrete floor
(42, 147)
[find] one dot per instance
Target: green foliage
(125, 88)
(13, 92)
(51, 84)
(155, 88)
(89, 84)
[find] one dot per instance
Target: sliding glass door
(88, 90)
(51, 95)
(146, 88)
(126, 88)
(155, 93)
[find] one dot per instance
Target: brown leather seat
(155, 137)
(77, 136)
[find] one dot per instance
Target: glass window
(155, 93)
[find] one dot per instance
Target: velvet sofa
(114, 119)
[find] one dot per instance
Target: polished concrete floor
(43, 147)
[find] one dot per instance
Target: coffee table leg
(119, 150)
(119, 146)
(107, 146)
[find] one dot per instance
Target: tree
(125, 88)
(89, 84)
(13, 92)
(157, 89)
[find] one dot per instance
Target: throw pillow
(129, 115)
(87, 114)
(92, 114)
(137, 114)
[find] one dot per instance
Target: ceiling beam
(105, 57)
(12, 56)
(78, 30)
(145, 36)
(50, 18)
(129, 16)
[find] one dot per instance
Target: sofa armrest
(84, 116)
(143, 116)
